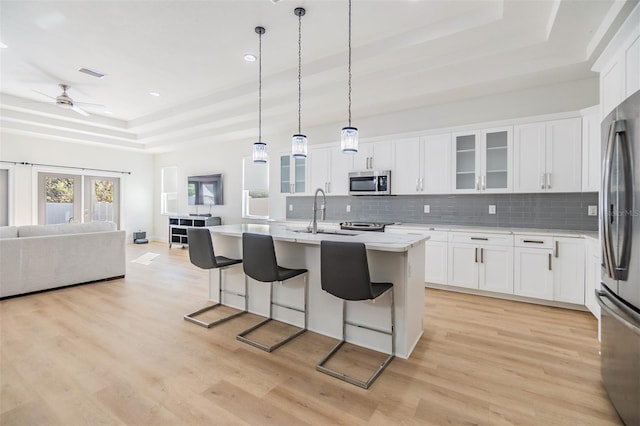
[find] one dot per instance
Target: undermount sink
(323, 231)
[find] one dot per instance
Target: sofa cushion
(65, 228)
(8, 231)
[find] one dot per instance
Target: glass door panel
(59, 198)
(496, 155)
(300, 177)
(465, 161)
(285, 174)
(101, 201)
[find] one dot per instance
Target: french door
(64, 198)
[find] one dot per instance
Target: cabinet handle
(421, 185)
(548, 180)
(482, 255)
(557, 252)
(479, 238)
(417, 185)
(484, 182)
(475, 259)
(542, 180)
(477, 183)
(550, 262)
(292, 188)
(328, 187)
(533, 241)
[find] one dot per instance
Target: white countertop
(462, 228)
(373, 240)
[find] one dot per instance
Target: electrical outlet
(492, 209)
(290, 207)
(592, 211)
(427, 208)
(348, 208)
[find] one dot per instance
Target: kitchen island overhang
(395, 258)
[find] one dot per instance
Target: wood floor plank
(119, 352)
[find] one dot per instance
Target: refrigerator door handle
(622, 268)
(606, 212)
(619, 307)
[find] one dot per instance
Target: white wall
(138, 188)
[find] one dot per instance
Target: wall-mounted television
(205, 190)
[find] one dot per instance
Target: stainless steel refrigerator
(619, 296)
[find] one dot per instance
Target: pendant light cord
(299, 72)
(260, 87)
(349, 63)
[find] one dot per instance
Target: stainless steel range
(363, 226)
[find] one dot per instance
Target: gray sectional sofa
(41, 257)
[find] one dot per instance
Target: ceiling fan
(64, 100)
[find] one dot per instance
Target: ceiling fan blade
(87, 103)
(79, 110)
(44, 94)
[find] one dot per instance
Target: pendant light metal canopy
(299, 141)
(260, 148)
(349, 134)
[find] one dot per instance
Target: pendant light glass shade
(349, 140)
(299, 141)
(260, 148)
(260, 152)
(299, 146)
(349, 134)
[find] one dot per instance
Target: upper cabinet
(482, 161)
(619, 64)
(422, 165)
(329, 170)
(374, 156)
(293, 175)
(591, 152)
(547, 156)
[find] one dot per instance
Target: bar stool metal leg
(191, 317)
(242, 336)
(343, 376)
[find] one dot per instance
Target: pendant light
(260, 148)
(299, 141)
(349, 134)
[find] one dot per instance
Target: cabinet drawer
(534, 241)
(481, 238)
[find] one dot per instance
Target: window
(169, 190)
(255, 189)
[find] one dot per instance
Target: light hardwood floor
(119, 352)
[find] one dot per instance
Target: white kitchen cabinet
(436, 257)
(550, 268)
(591, 152)
(481, 261)
(422, 165)
(548, 156)
(293, 174)
(568, 270)
(329, 170)
(592, 275)
(374, 156)
(483, 160)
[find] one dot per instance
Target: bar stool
(259, 263)
(202, 255)
(344, 273)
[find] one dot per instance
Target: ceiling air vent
(92, 73)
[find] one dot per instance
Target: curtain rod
(24, 163)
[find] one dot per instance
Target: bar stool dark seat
(202, 255)
(259, 263)
(344, 272)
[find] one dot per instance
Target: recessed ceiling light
(154, 94)
(3, 46)
(250, 57)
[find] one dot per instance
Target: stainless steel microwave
(370, 182)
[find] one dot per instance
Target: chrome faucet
(314, 229)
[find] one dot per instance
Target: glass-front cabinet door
(497, 162)
(293, 175)
(466, 158)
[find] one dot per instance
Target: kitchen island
(395, 258)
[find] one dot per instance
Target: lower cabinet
(481, 261)
(436, 255)
(593, 271)
(550, 268)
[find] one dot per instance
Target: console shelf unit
(178, 226)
